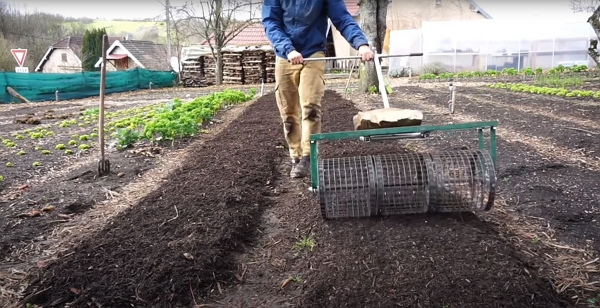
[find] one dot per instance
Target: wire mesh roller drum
(347, 187)
(461, 181)
(401, 183)
(408, 183)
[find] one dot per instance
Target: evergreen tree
(91, 50)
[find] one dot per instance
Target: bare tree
(587, 6)
(218, 22)
(373, 14)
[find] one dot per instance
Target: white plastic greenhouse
(480, 45)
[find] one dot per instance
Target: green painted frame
(480, 126)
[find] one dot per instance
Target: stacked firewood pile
(192, 73)
(233, 71)
(254, 66)
(243, 66)
(209, 70)
(269, 67)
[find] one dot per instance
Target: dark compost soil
(565, 194)
(178, 239)
(413, 261)
(183, 242)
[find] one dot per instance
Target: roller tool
(404, 183)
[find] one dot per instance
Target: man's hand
(366, 53)
(295, 57)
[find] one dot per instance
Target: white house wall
(55, 63)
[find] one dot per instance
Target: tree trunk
(368, 16)
(219, 68)
(594, 21)
(373, 16)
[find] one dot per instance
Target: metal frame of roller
(409, 183)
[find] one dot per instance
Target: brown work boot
(302, 169)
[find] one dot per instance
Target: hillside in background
(155, 31)
(38, 31)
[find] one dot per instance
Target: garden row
(555, 91)
(156, 122)
(577, 70)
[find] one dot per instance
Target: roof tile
(352, 7)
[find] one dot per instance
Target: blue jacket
(301, 25)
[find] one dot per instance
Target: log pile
(244, 66)
(254, 63)
(233, 71)
(269, 67)
(209, 70)
(192, 73)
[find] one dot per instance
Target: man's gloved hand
(295, 57)
(366, 53)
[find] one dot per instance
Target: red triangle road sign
(19, 55)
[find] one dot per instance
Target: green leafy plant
(20, 153)
(9, 164)
(45, 152)
(72, 142)
(8, 143)
(83, 147)
(1, 178)
(126, 137)
(68, 152)
(36, 164)
(60, 146)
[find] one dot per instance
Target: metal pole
(359, 57)
(382, 89)
(262, 87)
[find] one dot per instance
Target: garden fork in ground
(103, 164)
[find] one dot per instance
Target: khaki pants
(299, 90)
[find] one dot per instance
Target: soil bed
(193, 240)
(558, 131)
(563, 198)
(36, 199)
(584, 109)
(413, 261)
(177, 243)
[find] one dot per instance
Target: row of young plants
(164, 121)
(174, 119)
(506, 72)
(533, 89)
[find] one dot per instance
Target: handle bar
(359, 57)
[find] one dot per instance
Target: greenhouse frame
(481, 45)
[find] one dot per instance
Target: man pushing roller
(297, 29)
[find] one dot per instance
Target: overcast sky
(118, 9)
(552, 10)
(107, 9)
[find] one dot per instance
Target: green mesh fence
(42, 86)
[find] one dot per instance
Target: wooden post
(102, 90)
(16, 95)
